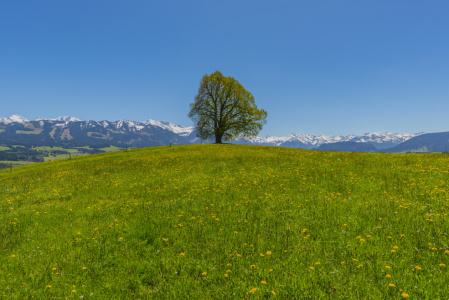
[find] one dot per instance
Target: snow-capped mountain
(60, 119)
(13, 119)
(70, 131)
(181, 130)
(309, 141)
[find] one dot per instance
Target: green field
(46, 153)
(111, 149)
(15, 163)
(34, 131)
(226, 222)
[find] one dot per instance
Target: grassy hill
(226, 221)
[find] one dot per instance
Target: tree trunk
(218, 139)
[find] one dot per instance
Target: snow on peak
(67, 119)
(14, 119)
(317, 140)
(178, 129)
(60, 119)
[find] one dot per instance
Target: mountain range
(72, 132)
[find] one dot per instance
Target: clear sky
(317, 66)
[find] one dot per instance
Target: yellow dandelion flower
(48, 286)
(84, 268)
(226, 275)
(53, 269)
(317, 263)
(263, 282)
(273, 292)
(393, 251)
(261, 254)
(312, 268)
(395, 247)
(442, 265)
(204, 273)
(253, 266)
(342, 262)
(182, 254)
(268, 253)
(388, 276)
(418, 268)
(391, 285)
(387, 267)
(229, 271)
(73, 291)
(13, 255)
(235, 232)
(405, 295)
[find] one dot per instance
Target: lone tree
(224, 109)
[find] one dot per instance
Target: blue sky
(319, 67)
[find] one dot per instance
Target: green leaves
(223, 108)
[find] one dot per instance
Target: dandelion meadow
(226, 222)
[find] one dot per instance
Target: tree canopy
(223, 109)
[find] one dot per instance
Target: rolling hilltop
(226, 222)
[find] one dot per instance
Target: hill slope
(348, 146)
(429, 142)
(225, 222)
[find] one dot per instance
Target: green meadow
(46, 153)
(226, 222)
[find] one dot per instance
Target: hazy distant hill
(429, 142)
(348, 146)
